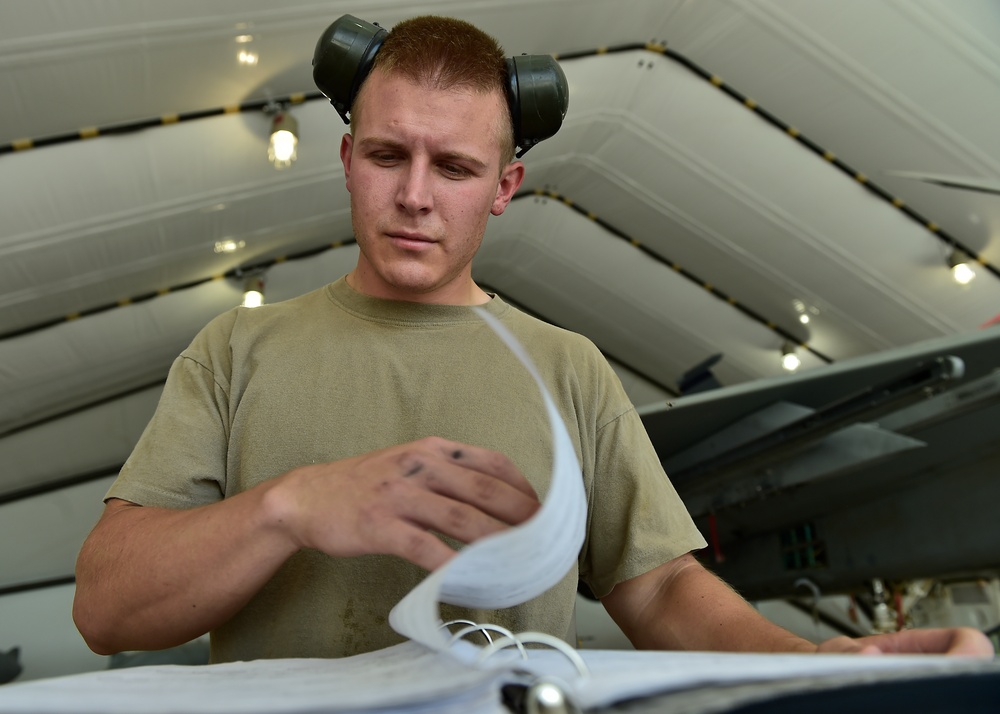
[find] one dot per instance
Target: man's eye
(453, 170)
(385, 157)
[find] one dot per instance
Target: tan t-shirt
(334, 374)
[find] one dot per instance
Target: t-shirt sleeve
(180, 459)
(637, 520)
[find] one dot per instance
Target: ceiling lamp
(284, 139)
(253, 291)
(789, 360)
(246, 56)
(961, 267)
(804, 311)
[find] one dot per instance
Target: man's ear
(510, 180)
(346, 147)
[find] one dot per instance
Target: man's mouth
(407, 239)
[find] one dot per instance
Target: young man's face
(423, 170)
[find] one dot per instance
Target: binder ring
(508, 637)
(540, 638)
(466, 630)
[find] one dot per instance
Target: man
(285, 494)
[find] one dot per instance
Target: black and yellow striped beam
(653, 47)
(234, 273)
(298, 98)
(166, 120)
(37, 585)
(715, 291)
(825, 154)
(539, 316)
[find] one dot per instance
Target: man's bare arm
(149, 578)
(681, 605)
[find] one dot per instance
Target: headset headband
(537, 91)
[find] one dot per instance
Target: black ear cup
(538, 95)
(537, 90)
(343, 59)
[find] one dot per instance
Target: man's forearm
(683, 606)
(150, 578)
(715, 617)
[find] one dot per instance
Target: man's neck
(470, 294)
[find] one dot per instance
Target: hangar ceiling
(727, 167)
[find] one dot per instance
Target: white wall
(41, 623)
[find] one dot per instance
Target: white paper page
(616, 675)
(518, 564)
(405, 677)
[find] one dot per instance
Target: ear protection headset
(537, 91)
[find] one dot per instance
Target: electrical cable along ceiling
(733, 178)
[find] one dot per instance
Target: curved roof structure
(732, 176)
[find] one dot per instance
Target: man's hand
(388, 501)
(964, 641)
(150, 578)
(680, 605)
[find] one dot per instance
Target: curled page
(518, 564)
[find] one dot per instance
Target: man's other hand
(963, 641)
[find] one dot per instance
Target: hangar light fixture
(284, 138)
(246, 56)
(229, 245)
(961, 267)
(803, 310)
(789, 360)
(253, 291)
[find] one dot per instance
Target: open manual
(439, 670)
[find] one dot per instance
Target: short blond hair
(446, 53)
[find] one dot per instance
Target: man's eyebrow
(371, 142)
(374, 142)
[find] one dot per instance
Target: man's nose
(414, 192)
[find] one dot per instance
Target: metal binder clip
(546, 697)
(539, 695)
